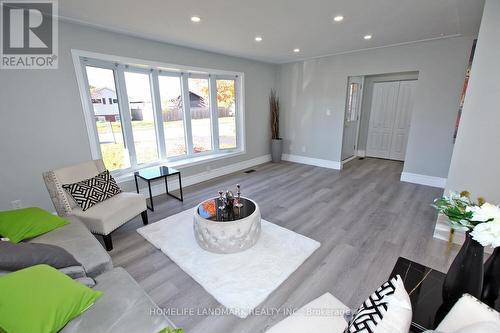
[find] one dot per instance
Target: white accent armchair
(104, 217)
(469, 312)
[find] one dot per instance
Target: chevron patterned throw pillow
(90, 192)
(388, 309)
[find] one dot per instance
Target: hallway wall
(313, 94)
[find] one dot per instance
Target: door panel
(402, 121)
(351, 119)
(382, 117)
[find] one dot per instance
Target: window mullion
(125, 114)
(158, 114)
(187, 113)
(214, 114)
(240, 122)
(95, 148)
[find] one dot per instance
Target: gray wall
(475, 165)
(42, 125)
(313, 94)
(367, 100)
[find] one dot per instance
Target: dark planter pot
(466, 272)
(276, 150)
(491, 284)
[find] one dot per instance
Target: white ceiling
(229, 26)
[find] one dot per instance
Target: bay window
(158, 112)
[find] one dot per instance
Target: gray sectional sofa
(78, 241)
(124, 306)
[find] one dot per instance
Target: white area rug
(239, 281)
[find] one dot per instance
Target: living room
(249, 167)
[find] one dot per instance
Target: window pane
(107, 116)
(199, 106)
(226, 105)
(141, 113)
(173, 115)
(352, 102)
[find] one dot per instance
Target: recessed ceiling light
(258, 39)
(338, 18)
(367, 37)
(296, 50)
(195, 19)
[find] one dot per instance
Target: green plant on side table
(480, 218)
(481, 223)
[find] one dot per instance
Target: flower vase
(466, 272)
(491, 284)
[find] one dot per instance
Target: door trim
(312, 161)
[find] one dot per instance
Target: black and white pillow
(388, 309)
(90, 192)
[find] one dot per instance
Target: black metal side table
(154, 173)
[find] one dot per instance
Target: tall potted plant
(481, 223)
(276, 141)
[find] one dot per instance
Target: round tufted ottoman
(226, 231)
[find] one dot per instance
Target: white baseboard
(313, 161)
(361, 153)
(423, 179)
(348, 160)
(173, 183)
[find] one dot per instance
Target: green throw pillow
(171, 330)
(20, 224)
(41, 299)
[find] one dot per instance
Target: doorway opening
(378, 115)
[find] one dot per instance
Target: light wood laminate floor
(364, 217)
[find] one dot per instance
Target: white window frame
(154, 69)
(238, 119)
(158, 127)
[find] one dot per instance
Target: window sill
(128, 175)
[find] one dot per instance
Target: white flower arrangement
(482, 219)
(487, 232)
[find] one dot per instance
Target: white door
(402, 122)
(390, 117)
(351, 118)
(382, 114)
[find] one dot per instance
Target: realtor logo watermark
(29, 34)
